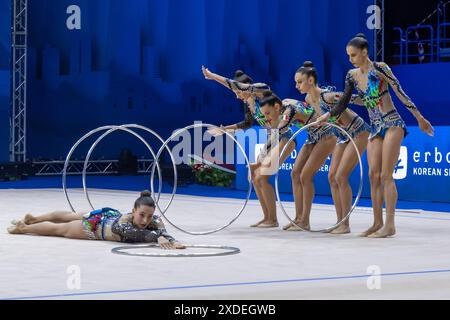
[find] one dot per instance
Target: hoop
(360, 184)
(229, 251)
(204, 125)
(69, 155)
(126, 129)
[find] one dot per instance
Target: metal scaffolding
(19, 81)
(95, 167)
(379, 34)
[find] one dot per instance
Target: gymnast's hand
(425, 126)
(323, 119)
(216, 132)
(165, 244)
(208, 74)
(178, 245)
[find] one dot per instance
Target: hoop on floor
(360, 183)
(205, 125)
(227, 251)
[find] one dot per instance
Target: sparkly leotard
(295, 107)
(329, 99)
(376, 98)
(254, 115)
(109, 224)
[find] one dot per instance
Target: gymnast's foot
(299, 226)
(332, 229)
(342, 229)
(386, 231)
(255, 225)
(29, 219)
(371, 230)
(268, 224)
(290, 224)
(17, 228)
(14, 222)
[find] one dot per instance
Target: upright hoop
(135, 126)
(69, 155)
(360, 184)
(204, 125)
(94, 145)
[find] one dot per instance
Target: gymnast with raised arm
(255, 95)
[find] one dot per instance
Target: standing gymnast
(141, 225)
(344, 158)
(252, 95)
(298, 114)
(372, 81)
(321, 142)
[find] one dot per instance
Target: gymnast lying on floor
(141, 225)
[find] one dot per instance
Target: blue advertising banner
(422, 172)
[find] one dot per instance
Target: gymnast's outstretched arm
(233, 85)
(389, 76)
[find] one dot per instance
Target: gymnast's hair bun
(239, 73)
(240, 76)
(308, 64)
(146, 193)
(267, 93)
(361, 35)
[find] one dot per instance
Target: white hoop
(360, 184)
(69, 155)
(94, 145)
(177, 253)
(204, 125)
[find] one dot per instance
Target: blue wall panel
(139, 61)
(428, 85)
